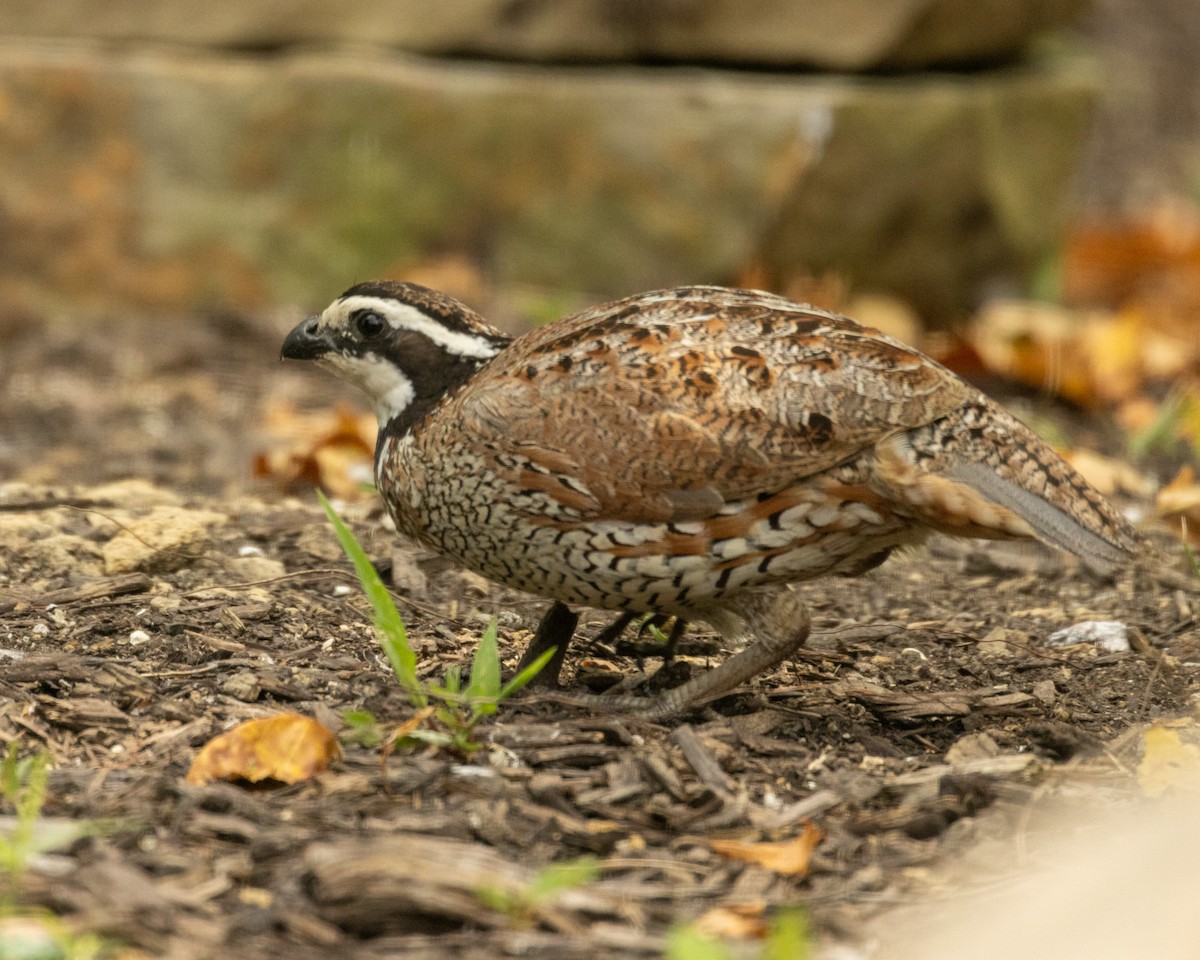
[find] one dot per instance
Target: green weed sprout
(522, 905)
(459, 708)
(788, 938)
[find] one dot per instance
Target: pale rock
(160, 539)
(229, 181)
(1111, 636)
(972, 746)
(832, 34)
(1001, 642)
(134, 494)
(255, 569)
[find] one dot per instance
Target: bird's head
(403, 345)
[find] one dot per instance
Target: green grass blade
(485, 669)
(564, 875)
(522, 678)
(789, 938)
(388, 625)
(688, 943)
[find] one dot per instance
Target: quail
(689, 453)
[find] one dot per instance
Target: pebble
(1111, 636)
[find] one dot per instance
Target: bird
(690, 453)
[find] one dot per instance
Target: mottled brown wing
(668, 405)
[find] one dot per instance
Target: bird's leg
(556, 630)
(613, 631)
(678, 626)
(778, 623)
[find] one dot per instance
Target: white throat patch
(401, 316)
(389, 390)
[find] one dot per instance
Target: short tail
(1117, 545)
(981, 472)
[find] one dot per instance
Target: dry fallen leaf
(742, 921)
(1180, 500)
(454, 273)
(1107, 475)
(1171, 759)
(1113, 263)
(288, 748)
(889, 314)
(1112, 348)
(332, 449)
(788, 857)
(1089, 357)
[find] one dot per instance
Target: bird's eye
(369, 324)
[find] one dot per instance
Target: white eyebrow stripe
(404, 317)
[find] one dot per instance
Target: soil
(153, 595)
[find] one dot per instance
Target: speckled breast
(457, 505)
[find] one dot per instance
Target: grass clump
(24, 835)
(787, 938)
(455, 708)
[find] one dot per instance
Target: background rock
(176, 181)
(830, 34)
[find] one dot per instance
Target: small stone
(408, 578)
(138, 637)
(1111, 636)
(135, 494)
(973, 746)
(242, 686)
(1045, 691)
(163, 538)
(255, 569)
(1001, 642)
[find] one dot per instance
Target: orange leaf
(1113, 263)
(1181, 499)
(1107, 475)
(1113, 350)
(287, 748)
(332, 449)
(739, 921)
(1037, 344)
(788, 857)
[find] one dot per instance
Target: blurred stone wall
(162, 157)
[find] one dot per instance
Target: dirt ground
(153, 595)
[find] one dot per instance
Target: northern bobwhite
(688, 452)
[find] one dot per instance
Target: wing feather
(719, 395)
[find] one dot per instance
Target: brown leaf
(1107, 263)
(288, 748)
(1180, 500)
(1035, 344)
(456, 274)
(788, 857)
(1089, 357)
(739, 921)
(332, 449)
(1107, 475)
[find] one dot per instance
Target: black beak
(305, 342)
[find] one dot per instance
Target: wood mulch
(141, 617)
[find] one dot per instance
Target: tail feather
(1050, 523)
(981, 472)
